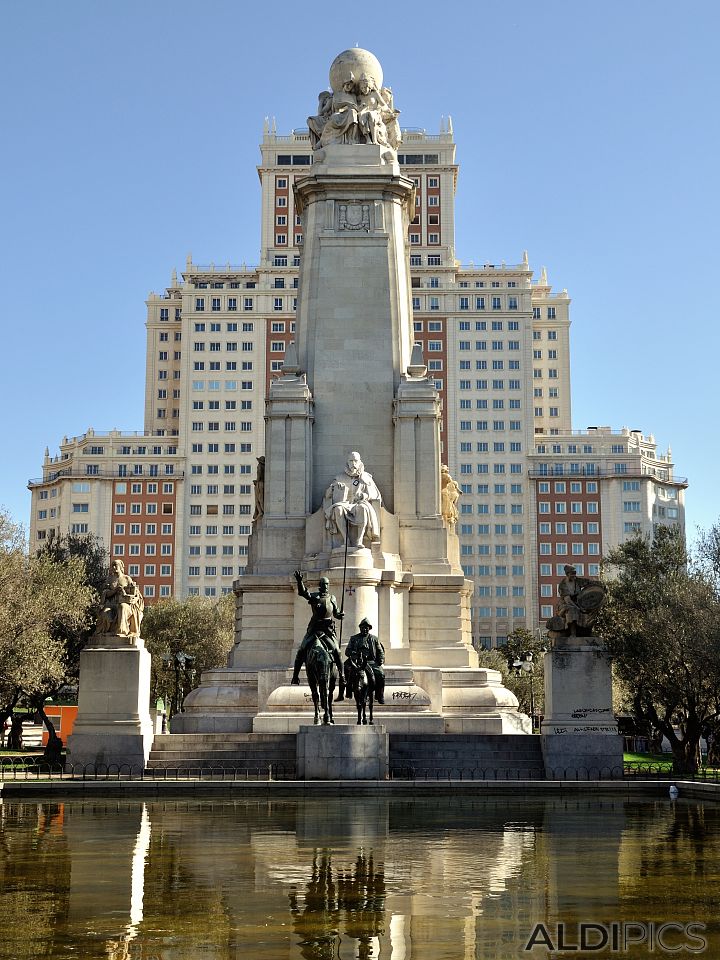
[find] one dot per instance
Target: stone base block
(211, 723)
(452, 656)
(393, 722)
(113, 725)
(109, 748)
(342, 752)
(579, 734)
(576, 754)
(578, 686)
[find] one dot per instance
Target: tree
(12, 549)
(708, 552)
(198, 626)
(40, 599)
(89, 550)
(661, 623)
(521, 645)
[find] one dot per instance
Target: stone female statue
(316, 124)
(122, 604)
(342, 124)
(370, 118)
(377, 118)
(449, 496)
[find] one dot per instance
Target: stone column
(579, 732)
(277, 543)
(113, 724)
(354, 317)
(416, 415)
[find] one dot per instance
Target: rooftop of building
(451, 275)
(111, 443)
(602, 442)
(410, 135)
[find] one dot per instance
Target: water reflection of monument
(337, 902)
(349, 879)
(400, 880)
(108, 844)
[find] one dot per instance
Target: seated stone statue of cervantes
(352, 506)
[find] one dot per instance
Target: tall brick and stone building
(495, 339)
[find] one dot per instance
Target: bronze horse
(322, 676)
(360, 687)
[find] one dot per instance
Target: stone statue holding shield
(579, 603)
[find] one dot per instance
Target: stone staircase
(466, 756)
(422, 756)
(252, 754)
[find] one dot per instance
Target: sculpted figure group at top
(358, 112)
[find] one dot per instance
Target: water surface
(334, 879)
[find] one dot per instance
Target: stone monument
(113, 724)
(351, 487)
(579, 732)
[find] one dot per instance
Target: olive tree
(522, 647)
(39, 600)
(200, 627)
(661, 623)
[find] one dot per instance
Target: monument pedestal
(579, 733)
(340, 752)
(113, 724)
(224, 702)
(408, 708)
(475, 701)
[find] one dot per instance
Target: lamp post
(525, 664)
(179, 667)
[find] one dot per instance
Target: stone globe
(357, 62)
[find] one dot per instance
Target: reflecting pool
(335, 879)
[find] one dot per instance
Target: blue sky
(587, 134)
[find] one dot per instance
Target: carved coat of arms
(354, 216)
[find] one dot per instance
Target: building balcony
(73, 474)
(215, 268)
(560, 473)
